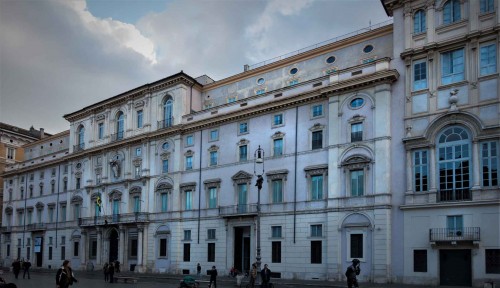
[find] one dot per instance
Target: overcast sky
(58, 56)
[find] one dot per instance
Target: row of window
(453, 66)
(451, 13)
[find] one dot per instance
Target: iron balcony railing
(79, 147)
(167, 123)
(36, 226)
(139, 217)
(117, 136)
(462, 194)
(455, 234)
(237, 210)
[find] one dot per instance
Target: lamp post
(258, 159)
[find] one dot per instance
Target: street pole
(259, 159)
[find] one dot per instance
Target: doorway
(39, 251)
(455, 267)
(242, 248)
(113, 246)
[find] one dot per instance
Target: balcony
(238, 210)
(140, 217)
(79, 147)
(463, 194)
(6, 229)
(117, 136)
(167, 123)
(454, 235)
(36, 227)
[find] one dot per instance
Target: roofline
(47, 138)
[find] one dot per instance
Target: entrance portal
(39, 251)
(242, 248)
(455, 267)
(113, 246)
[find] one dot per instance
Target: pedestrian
(213, 278)
(266, 276)
(253, 275)
(198, 270)
(106, 272)
(64, 276)
(117, 266)
(26, 268)
(16, 267)
(351, 273)
(111, 272)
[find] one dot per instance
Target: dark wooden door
(455, 267)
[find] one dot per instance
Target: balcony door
(455, 267)
(242, 198)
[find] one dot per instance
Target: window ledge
(420, 91)
(452, 85)
(488, 76)
(419, 35)
(452, 26)
(486, 15)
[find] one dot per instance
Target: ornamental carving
(165, 155)
(139, 104)
(317, 127)
(243, 141)
(136, 190)
(189, 153)
(277, 175)
(241, 177)
(190, 186)
(164, 188)
(209, 183)
(321, 169)
(137, 161)
(115, 195)
(100, 117)
(213, 148)
(278, 135)
(356, 162)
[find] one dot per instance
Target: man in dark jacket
(213, 277)
(16, 267)
(266, 276)
(26, 267)
(352, 272)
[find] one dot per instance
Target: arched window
(167, 112)
(419, 22)
(454, 145)
(81, 137)
(120, 125)
(451, 12)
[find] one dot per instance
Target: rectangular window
(187, 235)
(133, 248)
(488, 59)
(455, 225)
(50, 252)
(137, 171)
(357, 182)
(211, 252)
(277, 191)
(356, 243)
(213, 158)
(317, 110)
(492, 261)
(420, 170)
(316, 252)
(52, 188)
(317, 230)
(243, 153)
(317, 187)
(419, 260)
(32, 176)
(164, 202)
(78, 183)
(63, 240)
(211, 234)
(419, 75)
(242, 198)
(137, 204)
(65, 185)
(451, 12)
(278, 147)
(53, 172)
(100, 128)
(276, 252)
(63, 213)
(8, 250)
(189, 162)
(63, 252)
(214, 135)
(489, 153)
(278, 119)
(486, 6)
(76, 248)
(356, 132)
(138, 152)
(317, 140)
(189, 140)
(276, 231)
(11, 152)
(163, 247)
(42, 174)
(452, 66)
(51, 215)
(139, 119)
(93, 249)
(164, 166)
(212, 197)
(243, 128)
(76, 211)
(187, 252)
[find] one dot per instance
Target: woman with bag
(64, 276)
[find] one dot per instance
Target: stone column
(121, 245)
(140, 233)
(408, 27)
(83, 248)
(476, 177)
(99, 246)
(432, 175)
(431, 25)
(409, 173)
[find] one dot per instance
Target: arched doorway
(113, 245)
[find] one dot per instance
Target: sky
(59, 56)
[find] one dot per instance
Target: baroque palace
(380, 145)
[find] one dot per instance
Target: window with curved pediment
(357, 167)
(120, 125)
(316, 181)
(167, 112)
(163, 192)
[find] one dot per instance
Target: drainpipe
(199, 188)
(191, 99)
(295, 178)
(25, 202)
(57, 201)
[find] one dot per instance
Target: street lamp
(259, 159)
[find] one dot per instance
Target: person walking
(351, 273)
(26, 268)
(213, 278)
(64, 276)
(111, 272)
(198, 270)
(16, 267)
(105, 269)
(266, 276)
(253, 275)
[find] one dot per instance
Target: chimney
(42, 133)
(246, 67)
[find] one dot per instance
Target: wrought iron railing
(139, 217)
(462, 194)
(241, 209)
(79, 147)
(169, 122)
(36, 226)
(455, 234)
(117, 136)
